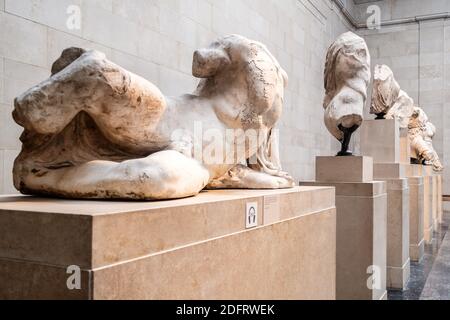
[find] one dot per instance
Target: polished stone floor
(430, 279)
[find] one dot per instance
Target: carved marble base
(196, 248)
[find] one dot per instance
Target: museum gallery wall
(296, 33)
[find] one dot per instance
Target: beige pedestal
(440, 204)
(416, 216)
(388, 145)
(428, 222)
(434, 202)
(398, 257)
(196, 248)
(348, 169)
(405, 146)
(426, 173)
(398, 222)
(384, 141)
(361, 230)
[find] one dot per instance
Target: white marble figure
(421, 133)
(95, 130)
(347, 76)
(388, 100)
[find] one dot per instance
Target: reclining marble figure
(421, 133)
(390, 102)
(94, 130)
(347, 77)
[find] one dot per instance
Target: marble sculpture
(421, 133)
(347, 77)
(95, 130)
(390, 102)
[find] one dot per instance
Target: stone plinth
(361, 229)
(398, 241)
(440, 204)
(195, 248)
(416, 171)
(381, 140)
(388, 145)
(348, 169)
(383, 171)
(428, 216)
(398, 222)
(405, 146)
(416, 216)
(434, 202)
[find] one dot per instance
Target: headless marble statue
(94, 130)
(421, 133)
(347, 76)
(390, 102)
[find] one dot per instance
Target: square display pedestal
(429, 203)
(416, 216)
(426, 172)
(188, 249)
(440, 204)
(398, 240)
(385, 142)
(398, 222)
(361, 227)
(435, 201)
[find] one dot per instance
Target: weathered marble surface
(388, 100)
(347, 76)
(95, 130)
(421, 132)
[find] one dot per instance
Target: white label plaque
(251, 216)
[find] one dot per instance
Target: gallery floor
(429, 278)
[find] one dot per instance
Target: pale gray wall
(156, 38)
(419, 55)
(399, 9)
